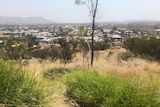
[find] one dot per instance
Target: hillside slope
(23, 20)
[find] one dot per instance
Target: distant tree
(66, 52)
(114, 28)
(31, 40)
(46, 53)
(13, 50)
(146, 47)
(122, 32)
(85, 46)
(81, 31)
(92, 6)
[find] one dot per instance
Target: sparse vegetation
(101, 46)
(86, 88)
(97, 46)
(13, 49)
(47, 53)
(125, 55)
(66, 53)
(92, 5)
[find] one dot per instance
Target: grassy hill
(144, 72)
(111, 82)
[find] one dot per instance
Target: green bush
(41, 53)
(66, 53)
(97, 45)
(13, 49)
(55, 73)
(101, 46)
(17, 88)
(90, 89)
(52, 53)
(145, 47)
(125, 55)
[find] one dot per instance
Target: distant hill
(146, 22)
(143, 22)
(23, 20)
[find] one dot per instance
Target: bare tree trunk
(92, 6)
(93, 28)
(89, 54)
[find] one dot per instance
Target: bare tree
(92, 6)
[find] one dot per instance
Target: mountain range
(41, 20)
(23, 20)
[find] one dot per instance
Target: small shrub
(125, 55)
(41, 53)
(97, 45)
(90, 89)
(56, 73)
(47, 53)
(66, 53)
(101, 46)
(13, 49)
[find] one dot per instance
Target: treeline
(15, 49)
(146, 47)
(64, 52)
(67, 50)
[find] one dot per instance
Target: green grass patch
(91, 89)
(55, 73)
(17, 88)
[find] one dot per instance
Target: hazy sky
(67, 11)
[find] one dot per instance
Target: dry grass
(105, 61)
(37, 69)
(134, 65)
(1, 33)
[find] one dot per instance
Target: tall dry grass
(37, 68)
(106, 61)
